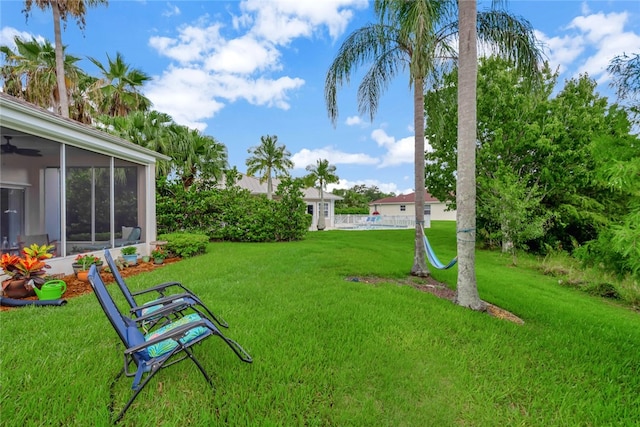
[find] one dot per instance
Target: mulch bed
(76, 287)
(440, 290)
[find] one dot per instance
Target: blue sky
(238, 70)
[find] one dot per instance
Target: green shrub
(606, 290)
(352, 211)
(185, 245)
(128, 250)
(233, 213)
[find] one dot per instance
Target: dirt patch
(77, 287)
(439, 289)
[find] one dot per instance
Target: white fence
(377, 222)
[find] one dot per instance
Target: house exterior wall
(438, 210)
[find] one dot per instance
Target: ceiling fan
(9, 148)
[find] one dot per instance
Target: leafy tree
(358, 197)
(419, 35)
(232, 213)
(269, 158)
(515, 208)
(117, 92)
(616, 155)
(626, 75)
(572, 153)
(62, 9)
(321, 174)
(625, 70)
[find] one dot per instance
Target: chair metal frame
(136, 345)
(186, 295)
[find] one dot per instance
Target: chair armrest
(166, 309)
(161, 288)
(170, 299)
(174, 334)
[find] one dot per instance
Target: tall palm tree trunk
(60, 75)
(419, 263)
(321, 222)
(467, 292)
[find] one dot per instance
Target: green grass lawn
(332, 352)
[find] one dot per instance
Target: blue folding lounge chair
(186, 296)
(145, 355)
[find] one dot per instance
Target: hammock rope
(431, 255)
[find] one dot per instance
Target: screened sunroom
(71, 185)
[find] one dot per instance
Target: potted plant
(158, 255)
(83, 262)
(25, 271)
(130, 255)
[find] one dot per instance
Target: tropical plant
(27, 267)
(158, 253)
(420, 35)
(128, 250)
(39, 251)
(321, 174)
(269, 158)
(29, 72)
(61, 11)
(197, 156)
(84, 261)
(117, 92)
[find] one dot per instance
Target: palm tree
(61, 11)
(419, 35)
(467, 289)
(117, 93)
(198, 155)
(321, 174)
(30, 72)
(269, 158)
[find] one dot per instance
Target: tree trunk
(467, 290)
(321, 223)
(269, 187)
(419, 258)
(60, 75)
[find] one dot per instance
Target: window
(427, 210)
(325, 210)
(11, 216)
(403, 208)
(91, 210)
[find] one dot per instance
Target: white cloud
(193, 44)
(397, 151)
(561, 51)
(8, 34)
(211, 69)
(590, 42)
(171, 11)
(243, 55)
(284, 20)
(598, 26)
(336, 157)
(354, 121)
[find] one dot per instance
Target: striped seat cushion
(153, 308)
(167, 345)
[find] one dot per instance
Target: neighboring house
(310, 195)
(75, 185)
(404, 205)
